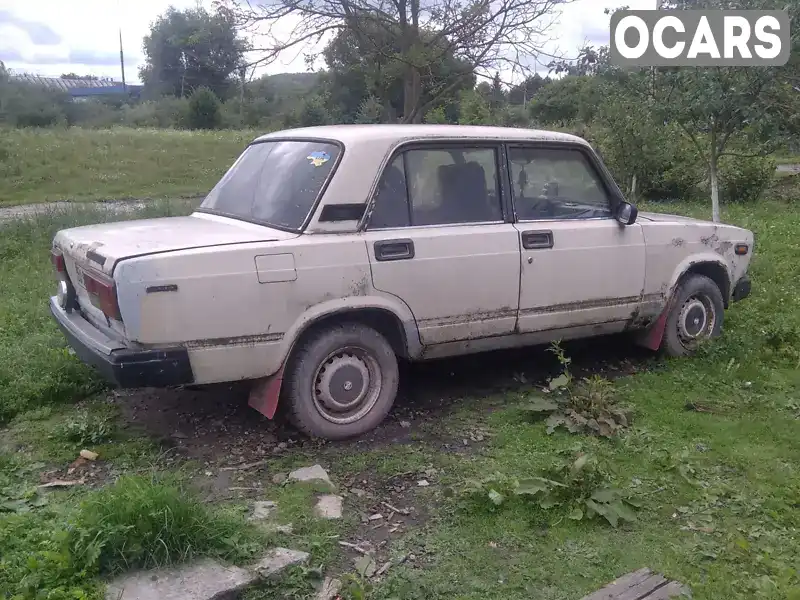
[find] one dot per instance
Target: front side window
(439, 187)
(275, 183)
(549, 183)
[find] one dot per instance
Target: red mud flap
(265, 393)
(651, 337)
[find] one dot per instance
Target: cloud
(99, 58)
(11, 55)
(39, 33)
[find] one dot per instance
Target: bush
(164, 113)
(92, 113)
(28, 105)
(436, 116)
(204, 109)
(744, 179)
(370, 111)
(312, 111)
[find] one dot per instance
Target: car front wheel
(342, 381)
(696, 316)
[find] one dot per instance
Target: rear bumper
(126, 367)
(742, 289)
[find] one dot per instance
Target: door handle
(394, 250)
(537, 240)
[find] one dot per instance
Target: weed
(296, 583)
(586, 406)
(355, 587)
(88, 429)
(580, 487)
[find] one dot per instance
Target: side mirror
(627, 213)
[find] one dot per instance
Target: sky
(51, 37)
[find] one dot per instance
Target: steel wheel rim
(346, 385)
(696, 320)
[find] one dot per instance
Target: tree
(357, 71)
(370, 111)
(563, 101)
(204, 109)
(189, 49)
(497, 95)
(485, 34)
(522, 93)
(76, 76)
(728, 111)
(590, 61)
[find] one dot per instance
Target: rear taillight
(103, 295)
(59, 264)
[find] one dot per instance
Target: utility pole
(122, 61)
(121, 54)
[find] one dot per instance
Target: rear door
(438, 238)
(579, 265)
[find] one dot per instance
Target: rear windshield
(275, 183)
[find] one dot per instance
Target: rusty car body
(325, 254)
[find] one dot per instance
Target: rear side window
(275, 183)
(439, 186)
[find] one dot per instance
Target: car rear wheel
(342, 382)
(696, 316)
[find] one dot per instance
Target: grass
(719, 490)
(137, 522)
(41, 165)
(36, 368)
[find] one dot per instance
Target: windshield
(275, 183)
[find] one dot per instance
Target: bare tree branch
(483, 35)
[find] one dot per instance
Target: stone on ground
(262, 509)
(314, 474)
(278, 559)
(330, 588)
(203, 580)
(329, 506)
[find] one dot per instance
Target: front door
(437, 239)
(579, 265)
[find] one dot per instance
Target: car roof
(399, 133)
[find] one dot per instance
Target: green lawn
(41, 165)
(719, 490)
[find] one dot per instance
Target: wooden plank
(621, 584)
(640, 585)
(642, 590)
(671, 590)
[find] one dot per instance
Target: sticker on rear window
(318, 158)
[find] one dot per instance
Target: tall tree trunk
(412, 96)
(633, 188)
(713, 175)
(412, 84)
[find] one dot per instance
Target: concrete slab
(203, 580)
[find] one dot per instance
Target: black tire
(341, 382)
(696, 316)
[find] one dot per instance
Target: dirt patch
(387, 509)
(215, 425)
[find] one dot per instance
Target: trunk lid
(100, 247)
(94, 250)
